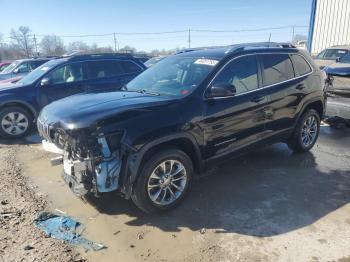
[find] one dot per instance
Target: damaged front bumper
(93, 174)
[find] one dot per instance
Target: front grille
(44, 130)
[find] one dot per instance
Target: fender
(134, 159)
(20, 102)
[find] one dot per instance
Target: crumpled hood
(341, 69)
(85, 110)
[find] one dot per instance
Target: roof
(220, 52)
(82, 57)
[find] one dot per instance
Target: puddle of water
(113, 228)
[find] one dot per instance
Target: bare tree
(52, 45)
(128, 49)
(78, 46)
(299, 37)
(23, 40)
(96, 49)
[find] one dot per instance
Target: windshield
(332, 54)
(153, 61)
(345, 59)
(9, 68)
(174, 76)
(38, 72)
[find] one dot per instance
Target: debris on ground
(19, 202)
(202, 231)
(65, 228)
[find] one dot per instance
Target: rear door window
(300, 65)
(276, 68)
(130, 67)
(104, 68)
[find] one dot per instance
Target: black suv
(21, 102)
(149, 140)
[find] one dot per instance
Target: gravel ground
(19, 204)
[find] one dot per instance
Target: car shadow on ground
(264, 193)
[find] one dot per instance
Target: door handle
(257, 99)
(300, 86)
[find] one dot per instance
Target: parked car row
(19, 68)
(21, 102)
(148, 140)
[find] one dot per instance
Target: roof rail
(79, 55)
(197, 48)
(242, 47)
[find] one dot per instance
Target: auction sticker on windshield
(209, 62)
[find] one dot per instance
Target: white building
(329, 24)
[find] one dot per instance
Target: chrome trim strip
(227, 141)
(263, 87)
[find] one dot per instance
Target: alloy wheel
(167, 182)
(309, 131)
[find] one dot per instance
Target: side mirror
(16, 71)
(337, 60)
(45, 82)
(222, 90)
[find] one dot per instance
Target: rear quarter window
(130, 67)
(300, 65)
(276, 68)
(104, 68)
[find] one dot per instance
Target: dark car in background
(338, 104)
(330, 55)
(21, 102)
(149, 140)
(3, 65)
(20, 68)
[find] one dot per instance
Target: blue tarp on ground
(65, 228)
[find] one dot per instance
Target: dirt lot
(269, 205)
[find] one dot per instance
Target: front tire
(164, 181)
(306, 132)
(15, 122)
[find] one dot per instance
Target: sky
(75, 18)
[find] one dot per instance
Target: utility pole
(293, 33)
(269, 38)
(115, 43)
(189, 38)
(36, 46)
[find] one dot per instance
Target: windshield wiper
(144, 91)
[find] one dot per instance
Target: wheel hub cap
(14, 123)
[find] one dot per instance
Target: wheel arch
(316, 104)
(22, 104)
(182, 141)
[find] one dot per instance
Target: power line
(181, 31)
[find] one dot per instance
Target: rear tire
(15, 122)
(306, 132)
(164, 181)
